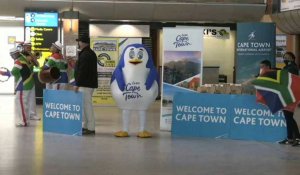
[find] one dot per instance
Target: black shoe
(286, 142)
(84, 130)
(296, 142)
(88, 132)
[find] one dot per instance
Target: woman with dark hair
(293, 136)
(290, 64)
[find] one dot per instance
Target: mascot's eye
(131, 54)
(140, 55)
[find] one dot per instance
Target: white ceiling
(146, 10)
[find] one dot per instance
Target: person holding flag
(280, 90)
(293, 135)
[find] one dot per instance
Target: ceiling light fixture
(70, 16)
(11, 18)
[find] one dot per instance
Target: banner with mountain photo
(182, 66)
(255, 42)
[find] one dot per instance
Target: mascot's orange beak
(135, 61)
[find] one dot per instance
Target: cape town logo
(132, 91)
(182, 40)
(102, 58)
(251, 36)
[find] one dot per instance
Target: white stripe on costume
(17, 84)
(290, 88)
(21, 108)
(18, 66)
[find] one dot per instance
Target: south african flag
(278, 89)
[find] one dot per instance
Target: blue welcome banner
(255, 42)
(62, 112)
(195, 115)
(225, 116)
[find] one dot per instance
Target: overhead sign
(41, 37)
(41, 30)
(217, 32)
(41, 19)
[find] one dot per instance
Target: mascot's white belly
(135, 96)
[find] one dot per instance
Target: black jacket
(292, 68)
(86, 74)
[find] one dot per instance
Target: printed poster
(182, 66)
(108, 51)
(255, 43)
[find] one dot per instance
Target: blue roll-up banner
(182, 66)
(225, 116)
(62, 112)
(255, 42)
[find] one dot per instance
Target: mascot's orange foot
(121, 134)
(144, 134)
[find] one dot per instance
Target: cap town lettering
(182, 40)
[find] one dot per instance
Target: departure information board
(41, 37)
(41, 28)
(41, 19)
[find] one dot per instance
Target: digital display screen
(41, 37)
(41, 40)
(41, 19)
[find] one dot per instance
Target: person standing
(24, 83)
(86, 80)
(288, 112)
(264, 67)
(293, 136)
(33, 62)
(56, 60)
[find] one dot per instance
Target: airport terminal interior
(204, 116)
(30, 151)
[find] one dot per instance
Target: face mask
(286, 62)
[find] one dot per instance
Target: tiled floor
(29, 151)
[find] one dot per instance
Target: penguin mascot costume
(134, 86)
